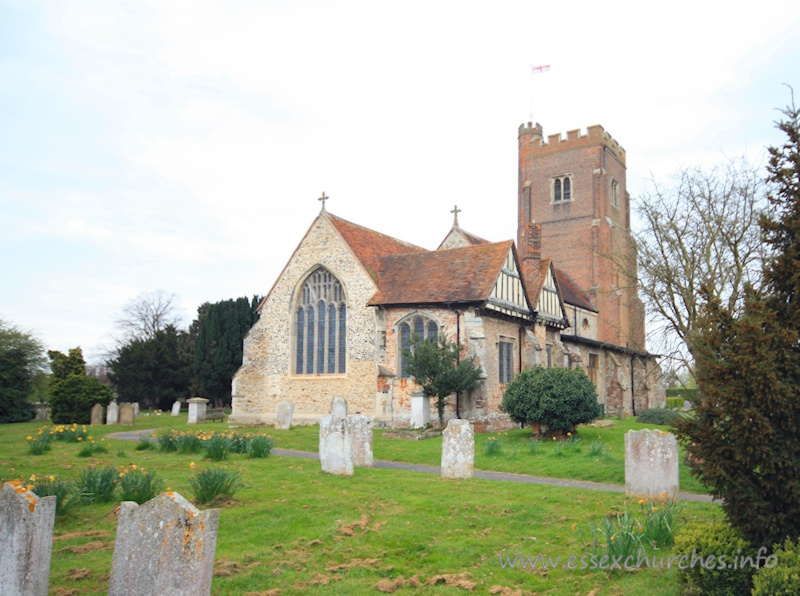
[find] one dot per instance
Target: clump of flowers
(137, 484)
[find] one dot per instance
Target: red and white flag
(543, 68)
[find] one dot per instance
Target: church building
(347, 303)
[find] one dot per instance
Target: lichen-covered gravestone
(285, 413)
(176, 408)
(651, 465)
(335, 442)
(112, 414)
(126, 414)
(360, 430)
(458, 450)
(96, 416)
(339, 408)
(26, 527)
(135, 409)
(164, 546)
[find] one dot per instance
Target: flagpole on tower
(534, 70)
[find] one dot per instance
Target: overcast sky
(182, 145)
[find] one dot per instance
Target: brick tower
(575, 189)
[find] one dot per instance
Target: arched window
(320, 326)
(418, 326)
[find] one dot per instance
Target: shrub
(239, 443)
(260, 446)
(664, 416)
(138, 485)
(47, 486)
(97, 485)
(189, 443)
(675, 402)
(558, 398)
(681, 394)
(211, 483)
(718, 539)
(782, 578)
(618, 536)
(71, 399)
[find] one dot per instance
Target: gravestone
(26, 527)
(176, 408)
(164, 546)
(458, 450)
(197, 410)
(360, 430)
(135, 409)
(41, 412)
(420, 409)
(112, 413)
(126, 414)
(96, 418)
(339, 408)
(285, 413)
(651, 465)
(335, 446)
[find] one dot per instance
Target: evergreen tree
(64, 365)
(221, 328)
(73, 393)
(745, 437)
(21, 361)
(151, 371)
(438, 368)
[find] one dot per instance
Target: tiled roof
(571, 293)
(472, 238)
(457, 275)
(368, 245)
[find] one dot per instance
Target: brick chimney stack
(530, 243)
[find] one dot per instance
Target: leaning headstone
(285, 413)
(360, 430)
(112, 413)
(26, 527)
(126, 414)
(135, 409)
(458, 450)
(176, 408)
(96, 418)
(339, 408)
(197, 410)
(651, 465)
(164, 546)
(335, 446)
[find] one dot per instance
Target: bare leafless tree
(146, 314)
(699, 231)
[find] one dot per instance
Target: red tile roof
(472, 238)
(457, 275)
(571, 293)
(368, 245)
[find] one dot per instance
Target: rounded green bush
(72, 399)
(665, 416)
(558, 398)
(784, 577)
(700, 540)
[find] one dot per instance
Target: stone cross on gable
(455, 213)
(323, 198)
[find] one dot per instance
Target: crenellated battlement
(575, 139)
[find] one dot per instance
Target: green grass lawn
(553, 459)
(293, 528)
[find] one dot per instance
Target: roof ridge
(347, 221)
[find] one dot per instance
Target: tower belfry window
(561, 188)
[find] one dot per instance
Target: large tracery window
(321, 326)
(419, 326)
